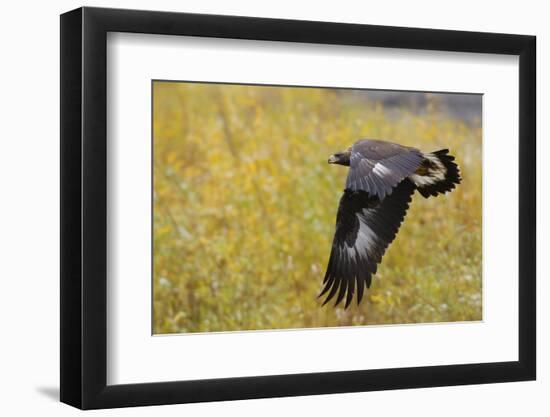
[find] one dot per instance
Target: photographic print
(283, 207)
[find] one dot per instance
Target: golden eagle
(382, 178)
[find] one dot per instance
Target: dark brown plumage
(382, 178)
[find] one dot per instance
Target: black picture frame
(84, 207)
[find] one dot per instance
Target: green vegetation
(245, 204)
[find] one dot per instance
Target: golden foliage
(245, 204)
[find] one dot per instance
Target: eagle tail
(437, 174)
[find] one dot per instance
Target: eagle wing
(365, 226)
(377, 166)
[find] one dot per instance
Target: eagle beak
(333, 159)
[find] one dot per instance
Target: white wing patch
(381, 170)
(366, 239)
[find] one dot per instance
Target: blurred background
(245, 205)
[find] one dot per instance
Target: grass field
(245, 205)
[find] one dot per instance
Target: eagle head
(340, 158)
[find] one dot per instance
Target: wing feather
(365, 226)
(377, 167)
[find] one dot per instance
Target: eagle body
(381, 180)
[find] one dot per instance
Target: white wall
(29, 176)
